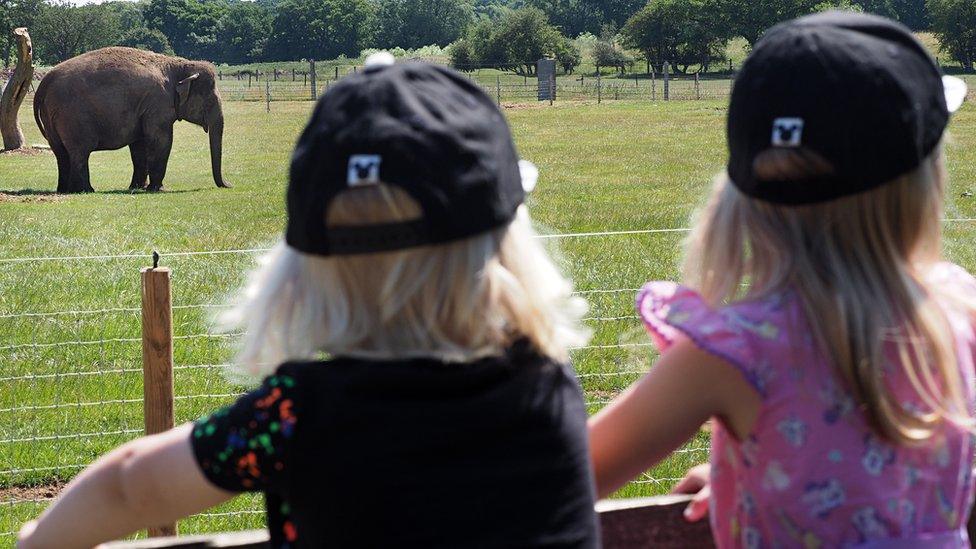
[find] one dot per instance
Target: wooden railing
(625, 524)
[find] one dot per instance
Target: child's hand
(25, 532)
(696, 482)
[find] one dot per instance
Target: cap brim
(955, 92)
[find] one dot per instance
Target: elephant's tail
(38, 105)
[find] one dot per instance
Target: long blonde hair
(859, 267)
(455, 302)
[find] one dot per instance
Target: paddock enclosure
(619, 181)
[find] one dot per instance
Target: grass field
(70, 384)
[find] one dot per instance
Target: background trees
(321, 29)
(684, 32)
(413, 24)
(62, 31)
(954, 22)
(513, 34)
(515, 42)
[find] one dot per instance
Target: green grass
(615, 166)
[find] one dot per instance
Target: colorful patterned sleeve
(244, 447)
(670, 311)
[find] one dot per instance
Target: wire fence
(71, 378)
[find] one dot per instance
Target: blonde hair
(859, 266)
(455, 302)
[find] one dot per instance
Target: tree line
(504, 33)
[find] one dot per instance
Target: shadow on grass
(38, 192)
(148, 193)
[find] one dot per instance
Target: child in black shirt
(446, 413)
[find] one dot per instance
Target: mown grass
(615, 166)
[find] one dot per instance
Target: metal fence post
(267, 95)
(311, 75)
(653, 85)
(697, 88)
(552, 88)
(498, 90)
(599, 88)
(667, 81)
(157, 359)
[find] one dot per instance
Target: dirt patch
(44, 492)
(30, 196)
(26, 151)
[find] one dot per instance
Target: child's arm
(664, 409)
(147, 482)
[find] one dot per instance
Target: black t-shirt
(412, 453)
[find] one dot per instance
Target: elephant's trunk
(216, 131)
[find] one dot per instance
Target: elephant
(114, 97)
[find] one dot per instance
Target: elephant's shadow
(29, 193)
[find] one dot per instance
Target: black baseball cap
(860, 90)
(421, 127)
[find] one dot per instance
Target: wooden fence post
(337, 72)
(157, 359)
(667, 81)
(697, 88)
(311, 70)
(498, 90)
(267, 95)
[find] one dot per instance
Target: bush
(568, 57)
(462, 56)
(607, 54)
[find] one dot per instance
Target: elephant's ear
(183, 88)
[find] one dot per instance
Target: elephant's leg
(64, 170)
(80, 179)
(140, 165)
(64, 165)
(157, 156)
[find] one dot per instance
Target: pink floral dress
(811, 473)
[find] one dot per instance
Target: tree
(843, 5)
(15, 14)
(617, 12)
(322, 29)
(571, 17)
(64, 30)
(243, 32)
(462, 56)
(516, 41)
(146, 39)
(954, 23)
(751, 18)
(190, 25)
(128, 14)
(568, 55)
(411, 24)
(607, 54)
(684, 32)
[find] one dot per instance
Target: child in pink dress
(825, 336)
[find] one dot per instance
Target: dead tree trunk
(15, 91)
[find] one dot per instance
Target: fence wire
(71, 377)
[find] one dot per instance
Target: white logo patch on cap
(787, 132)
(364, 169)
